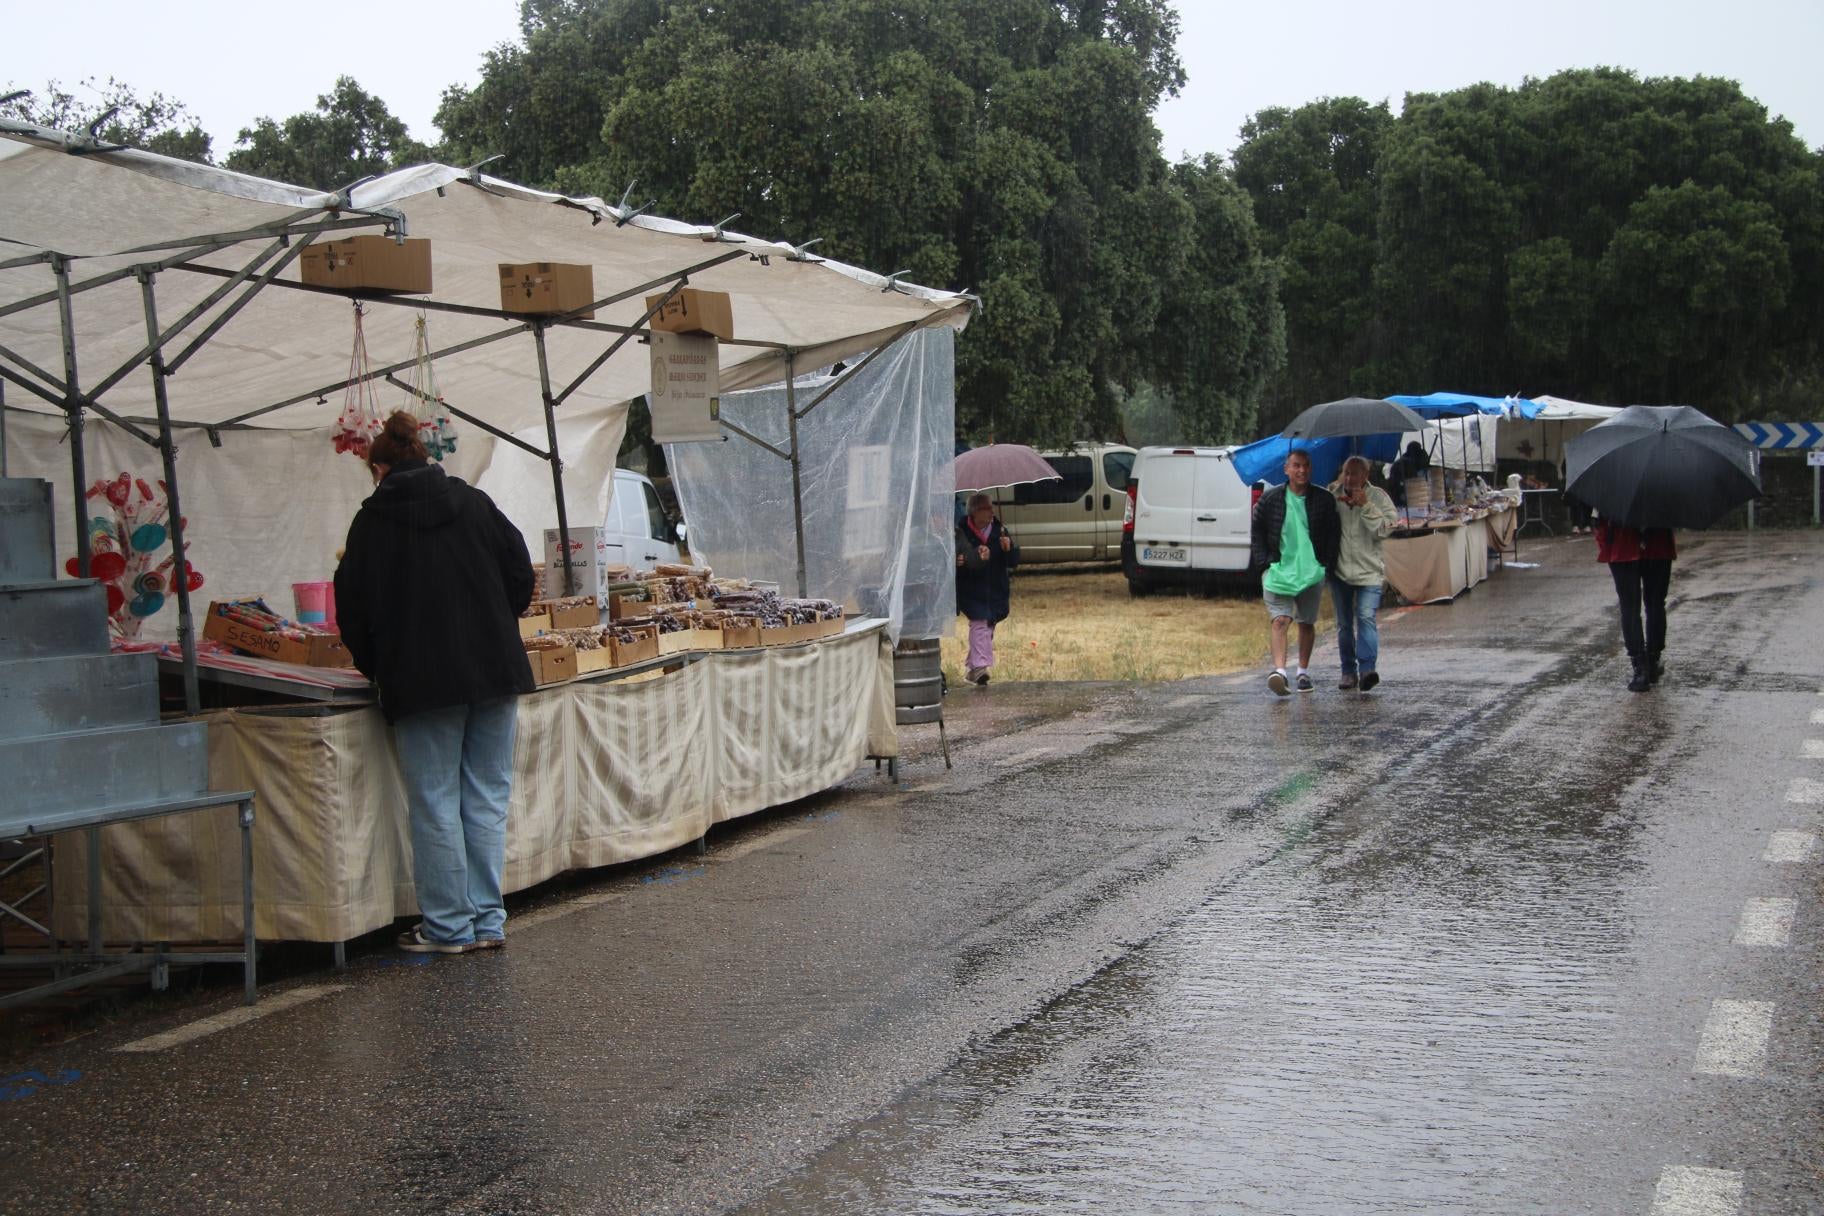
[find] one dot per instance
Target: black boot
(1642, 679)
(1655, 669)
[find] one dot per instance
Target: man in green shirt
(1295, 538)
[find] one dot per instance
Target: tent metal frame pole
(557, 463)
(797, 459)
(228, 314)
(569, 320)
(3, 472)
(156, 342)
(176, 261)
(52, 382)
(338, 385)
(903, 331)
(471, 419)
(167, 447)
(79, 474)
(639, 327)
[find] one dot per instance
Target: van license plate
(1177, 556)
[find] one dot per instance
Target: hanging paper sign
(686, 388)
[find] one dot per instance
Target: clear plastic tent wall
(877, 488)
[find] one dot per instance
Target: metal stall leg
(250, 963)
(943, 742)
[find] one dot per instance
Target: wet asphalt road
(1500, 938)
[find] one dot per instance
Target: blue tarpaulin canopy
(1264, 459)
(1462, 405)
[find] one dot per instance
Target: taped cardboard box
(317, 650)
(645, 646)
(684, 640)
(553, 665)
(600, 658)
(811, 631)
(532, 626)
(582, 615)
(694, 311)
(546, 288)
(368, 263)
(740, 636)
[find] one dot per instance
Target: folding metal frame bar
(98, 963)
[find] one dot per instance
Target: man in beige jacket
(1368, 515)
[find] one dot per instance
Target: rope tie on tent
(435, 427)
(360, 423)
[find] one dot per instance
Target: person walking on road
(1294, 542)
(985, 555)
(1640, 561)
(1367, 515)
(428, 595)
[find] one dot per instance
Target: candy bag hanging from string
(435, 426)
(360, 422)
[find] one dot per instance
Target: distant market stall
(144, 299)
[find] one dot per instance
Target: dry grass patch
(1085, 626)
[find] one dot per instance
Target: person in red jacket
(1640, 562)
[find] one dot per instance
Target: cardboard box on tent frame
(375, 264)
(546, 288)
(691, 311)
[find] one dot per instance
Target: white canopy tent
(101, 248)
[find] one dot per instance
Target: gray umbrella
(1661, 466)
(1354, 416)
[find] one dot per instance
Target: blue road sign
(1783, 436)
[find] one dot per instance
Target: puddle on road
(1398, 1013)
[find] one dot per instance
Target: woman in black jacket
(428, 595)
(985, 553)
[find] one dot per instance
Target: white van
(1076, 518)
(636, 529)
(1189, 517)
(635, 532)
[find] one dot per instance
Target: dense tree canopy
(352, 135)
(118, 114)
(1004, 147)
(1592, 234)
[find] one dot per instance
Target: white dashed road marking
(1734, 1042)
(1692, 1190)
(268, 1005)
(1814, 749)
(1790, 846)
(1817, 717)
(1806, 790)
(1767, 922)
(1022, 757)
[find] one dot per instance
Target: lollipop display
(124, 548)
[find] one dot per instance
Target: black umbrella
(1353, 416)
(1661, 466)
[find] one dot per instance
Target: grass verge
(1085, 626)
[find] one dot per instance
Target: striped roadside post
(1807, 437)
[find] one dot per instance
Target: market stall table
(1446, 557)
(607, 768)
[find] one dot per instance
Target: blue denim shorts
(1301, 607)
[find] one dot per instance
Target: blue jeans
(457, 764)
(1358, 635)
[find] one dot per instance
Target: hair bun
(402, 425)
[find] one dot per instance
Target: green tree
(352, 135)
(1313, 175)
(154, 122)
(1005, 147)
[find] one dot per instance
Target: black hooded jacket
(428, 595)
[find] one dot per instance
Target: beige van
(1077, 518)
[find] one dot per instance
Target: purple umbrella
(1001, 464)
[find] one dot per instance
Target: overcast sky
(231, 63)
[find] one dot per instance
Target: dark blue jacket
(982, 587)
